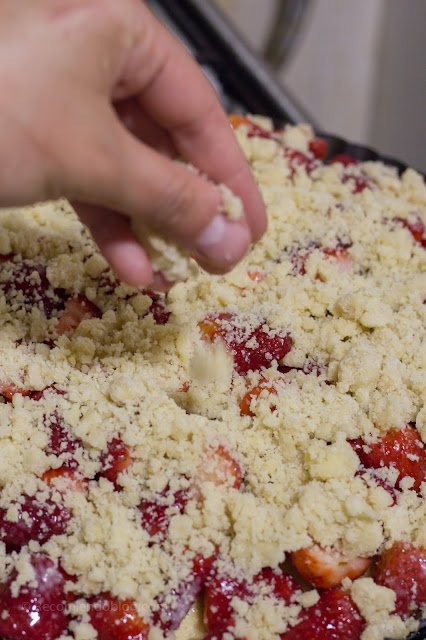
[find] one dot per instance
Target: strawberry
(403, 569)
(334, 617)
(76, 309)
(37, 521)
(253, 394)
(341, 259)
(154, 517)
(115, 460)
(252, 348)
(325, 568)
(157, 308)
(318, 147)
(74, 481)
(61, 440)
(38, 611)
(401, 449)
(29, 287)
(253, 130)
(225, 633)
(298, 159)
(8, 390)
(116, 619)
(175, 603)
(218, 466)
(358, 182)
(256, 275)
(416, 227)
(221, 589)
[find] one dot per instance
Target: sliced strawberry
(8, 390)
(77, 309)
(416, 227)
(325, 568)
(28, 285)
(116, 619)
(318, 147)
(115, 460)
(341, 259)
(401, 449)
(256, 276)
(221, 589)
(226, 632)
(253, 130)
(334, 617)
(73, 480)
(358, 181)
(174, 604)
(157, 308)
(219, 467)
(154, 517)
(344, 159)
(267, 386)
(61, 440)
(403, 569)
(252, 348)
(297, 159)
(38, 611)
(37, 521)
(374, 474)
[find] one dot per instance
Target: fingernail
(223, 242)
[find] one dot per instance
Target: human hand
(97, 98)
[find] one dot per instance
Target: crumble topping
(333, 298)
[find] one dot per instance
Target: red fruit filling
(29, 287)
(154, 517)
(325, 568)
(175, 603)
(334, 617)
(115, 460)
(36, 520)
(318, 147)
(297, 159)
(116, 619)
(401, 449)
(38, 611)
(252, 348)
(403, 569)
(416, 227)
(77, 309)
(157, 308)
(61, 440)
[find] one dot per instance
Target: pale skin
(96, 100)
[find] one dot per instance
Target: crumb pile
(235, 406)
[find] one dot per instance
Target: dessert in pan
(242, 458)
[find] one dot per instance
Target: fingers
(175, 94)
(168, 197)
(144, 128)
(112, 234)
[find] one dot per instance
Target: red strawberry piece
(359, 182)
(28, 285)
(72, 480)
(401, 449)
(403, 569)
(297, 159)
(253, 130)
(227, 631)
(325, 568)
(251, 348)
(154, 517)
(219, 591)
(218, 466)
(267, 386)
(318, 147)
(341, 259)
(374, 474)
(175, 603)
(77, 309)
(116, 619)
(38, 611)
(282, 584)
(157, 308)
(36, 521)
(416, 227)
(334, 617)
(344, 159)
(61, 440)
(256, 276)
(8, 390)
(116, 459)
